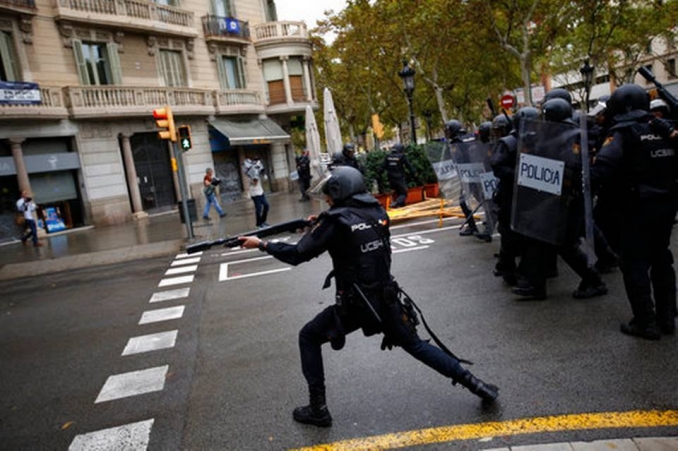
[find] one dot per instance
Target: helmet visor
(317, 190)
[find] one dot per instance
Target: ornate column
(131, 175)
(19, 164)
(286, 80)
(307, 79)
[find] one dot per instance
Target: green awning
(250, 131)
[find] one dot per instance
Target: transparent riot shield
(547, 191)
(439, 156)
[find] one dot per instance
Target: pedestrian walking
(254, 169)
(27, 207)
(210, 183)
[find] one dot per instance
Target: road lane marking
(185, 261)
(133, 383)
(557, 423)
(176, 281)
(133, 436)
(418, 248)
(164, 314)
(223, 273)
(184, 255)
(151, 342)
(169, 295)
(181, 270)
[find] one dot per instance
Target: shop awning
(250, 131)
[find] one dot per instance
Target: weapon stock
(490, 105)
(669, 98)
(289, 226)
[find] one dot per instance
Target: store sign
(51, 162)
(18, 93)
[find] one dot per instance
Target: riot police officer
(346, 157)
(647, 165)
(455, 133)
(395, 164)
(355, 232)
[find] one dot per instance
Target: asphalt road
(233, 375)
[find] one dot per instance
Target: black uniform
(304, 172)
(395, 163)
(645, 164)
(356, 234)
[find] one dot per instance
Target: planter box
(384, 199)
(432, 190)
(415, 195)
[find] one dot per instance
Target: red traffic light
(164, 119)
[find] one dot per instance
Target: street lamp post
(587, 77)
(407, 74)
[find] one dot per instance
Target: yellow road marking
(604, 420)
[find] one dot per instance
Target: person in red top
(210, 186)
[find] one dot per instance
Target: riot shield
(439, 156)
(547, 188)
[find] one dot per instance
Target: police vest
(649, 162)
(364, 253)
(394, 166)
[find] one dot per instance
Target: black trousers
(647, 263)
(399, 187)
(327, 325)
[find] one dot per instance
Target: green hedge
(373, 161)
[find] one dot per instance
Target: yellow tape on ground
(574, 422)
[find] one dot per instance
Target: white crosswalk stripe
(133, 383)
(165, 314)
(184, 255)
(186, 261)
(169, 295)
(152, 342)
(175, 281)
(181, 270)
(129, 437)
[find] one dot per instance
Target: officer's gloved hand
(662, 127)
(386, 343)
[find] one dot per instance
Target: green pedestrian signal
(184, 132)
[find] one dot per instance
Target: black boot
(316, 412)
(487, 392)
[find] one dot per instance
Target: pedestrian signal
(165, 121)
(185, 137)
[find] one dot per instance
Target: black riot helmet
(558, 93)
(628, 102)
(348, 150)
(501, 125)
(453, 128)
(344, 183)
(398, 149)
(485, 131)
(526, 112)
(556, 110)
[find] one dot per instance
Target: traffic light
(165, 120)
(185, 137)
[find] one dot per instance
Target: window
(223, 8)
(9, 69)
(275, 85)
(231, 73)
(270, 11)
(296, 71)
(98, 64)
(172, 68)
(671, 67)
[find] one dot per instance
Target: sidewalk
(155, 236)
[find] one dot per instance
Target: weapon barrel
(647, 75)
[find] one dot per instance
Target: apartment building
(79, 80)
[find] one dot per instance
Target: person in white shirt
(254, 170)
(26, 206)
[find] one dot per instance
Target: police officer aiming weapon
(355, 232)
(289, 226)
(662, 91)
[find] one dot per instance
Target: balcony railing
(18, 5)
(280, 31)
(134, 14)
(225, 28)
(51, 107)
(239, 101)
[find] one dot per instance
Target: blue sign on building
(19, 92)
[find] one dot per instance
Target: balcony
(52, 107)
(226, 29)
(280, 31)
(239, 101)
(19, 6)
(129, 15)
